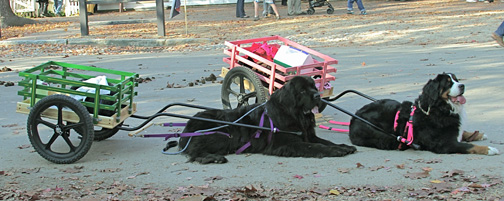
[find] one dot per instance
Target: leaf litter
(454, 184)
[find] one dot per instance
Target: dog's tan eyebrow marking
(452, 78)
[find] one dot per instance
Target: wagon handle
(415, 146)
(351, 91)
(135, 132)
(226, 123)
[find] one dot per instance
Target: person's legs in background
(350, 6)
(58, 4)
(361, 7)
(497, 35)
(297, 8)
(272, 4)
(43, 8)
(256, 10)
(267, 9)
(240, 10)
(290, 7)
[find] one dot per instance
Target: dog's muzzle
(458, 92)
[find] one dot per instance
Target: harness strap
(173, 124)
(257, 134)
(339, 123)
(170, 135)
(408, 129)
(334, 129)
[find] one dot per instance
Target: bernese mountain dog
(434, 121)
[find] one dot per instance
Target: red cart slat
(238, 53)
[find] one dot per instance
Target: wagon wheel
(241, 86)
(105, 133)
(330, 10)
(101, 133)
(310, 11)
(55, 139)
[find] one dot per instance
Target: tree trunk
(8, 18)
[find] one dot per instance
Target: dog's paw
(473, 136)
(484, 137)
(211, 158)
(493, 151)
(341, 150)
(350, 149)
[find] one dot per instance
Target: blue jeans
(500, 30)
(359, 4)
(57, 6)
(240, 10)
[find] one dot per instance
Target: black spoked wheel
(241, 86)
(310, 11)
(330, 10)
(51, 133)
(101, 133)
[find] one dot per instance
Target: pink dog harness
(408, 130)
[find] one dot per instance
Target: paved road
(382, 72)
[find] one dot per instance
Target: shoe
(278, 17)
(245, 16)
(363, 12)
(301, 13)
(256, 18)
(498, 39)
(349, 12)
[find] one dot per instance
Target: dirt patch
(388, 23)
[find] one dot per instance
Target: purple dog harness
(257, 134)
(408, 130)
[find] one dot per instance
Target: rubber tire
(85, 125)
(310, 11)
(330, 11)
(105, 133)
(244, 73)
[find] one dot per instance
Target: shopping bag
(291, 57)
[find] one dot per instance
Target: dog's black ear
(431, 91)
(284, 96)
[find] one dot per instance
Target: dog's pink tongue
(461, 99)
(315, 110)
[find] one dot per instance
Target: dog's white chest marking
(459, 109)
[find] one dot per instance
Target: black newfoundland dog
(290, 108)
(438, 115)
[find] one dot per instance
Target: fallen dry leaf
(344, 170)
(75, 169)
(334, 192)
(25, 146)
(376, 168)
(214, 178)
(9, 125)
(298, 176)
(417, 175)
(111, 170)
(452, 173)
